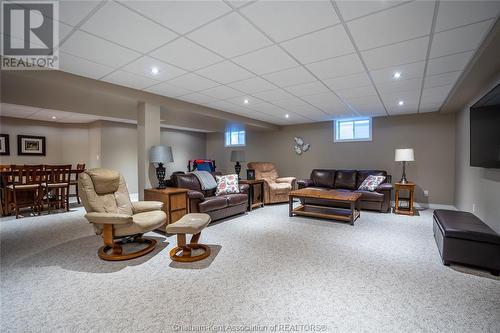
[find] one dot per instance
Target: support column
(148, 135)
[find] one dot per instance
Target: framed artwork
(250, 174)
(4, 144)
(30, 145)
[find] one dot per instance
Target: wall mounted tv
(485, 131)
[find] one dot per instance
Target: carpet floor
(265, 270)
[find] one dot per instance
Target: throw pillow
(227, 184)
(371, 183)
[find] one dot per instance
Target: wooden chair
(57, 184)
(25, 187)
(74, 182)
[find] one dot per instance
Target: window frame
(230, 132)
(336, 125)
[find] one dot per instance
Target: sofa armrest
(108, 218)
(244, 188)
(384, 187)
(305, 183)
(289, 180)
(196, 195)
(146, 206)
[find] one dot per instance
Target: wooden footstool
(192, 224)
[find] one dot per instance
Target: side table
(407, 207)
(254, 202)
(175, 202)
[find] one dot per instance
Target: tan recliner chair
(105, 197)
(276, 189)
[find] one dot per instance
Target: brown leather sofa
(350, 180)
(275, 188)
(217, 207)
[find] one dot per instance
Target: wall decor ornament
(30, 145)
(4, 144)
(300, 147)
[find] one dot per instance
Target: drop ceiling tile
(408, 108)
(180, 16)
(429, 107)
(266, 60)
(197, 98)
(252, 85)
(393, 25)
(444, 79)
(290, 77)
(348, 81)
(84, 45)
(79, 66)
(240, 101)
(400, 85)
(305, 89)
(166, 89)
(357, 92)
(268, 108)
(367, 105)
(352, 9)
(298, 106)
(455, 62)
(408, 71)
(16, 110)
(328, 102)
(230, 36)
(324, 44)
(225, 72)
(397, 54)
(457, 13)
(222, 92)
(143, 66)
(239, 3)
(391, 100)
(459, 40)
(130, 80)
(72, 12)
(127, 28)
(193, 82)
(283, 20)
(220, 105)
(185, 54)
(435, 94)
(273, 95)
(340, 66)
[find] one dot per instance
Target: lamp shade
(237, 156)
(160, 154)
(404, 155)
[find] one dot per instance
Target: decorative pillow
(227, 184)
(371, 183)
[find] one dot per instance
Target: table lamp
(237, 156)
(404, 155)
(159, 155)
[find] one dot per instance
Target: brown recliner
(106, 199)
(276, 188)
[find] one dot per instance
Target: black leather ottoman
(463, 238)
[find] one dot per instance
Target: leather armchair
(276, 188)
(106, 199)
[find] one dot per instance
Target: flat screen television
(485, 131)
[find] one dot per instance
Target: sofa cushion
(212, 203)
(371, 183)
(370, 196)
(323, 178)
(464, 225)
(346, 179)
(362, 174)
(236, 199)
(227, 184)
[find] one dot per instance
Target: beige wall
(477, 190)
(185, 146)
(431, 135)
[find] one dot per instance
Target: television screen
(485, 131)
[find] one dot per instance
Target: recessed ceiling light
(287, 116)
(54, 117)
(155, 70)
(401, 103)
(396, 75)
(245, 101)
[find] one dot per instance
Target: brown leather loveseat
(217, 207)
(350, 180)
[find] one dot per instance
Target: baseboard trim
(425, 205)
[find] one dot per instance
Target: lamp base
(160, 174)
(237, 169)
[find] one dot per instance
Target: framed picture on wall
(4, 144)
(30, 145)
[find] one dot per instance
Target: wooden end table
(175, 202)
(343, 214)
(254, 202)
(408, 210)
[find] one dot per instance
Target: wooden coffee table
(335, 213)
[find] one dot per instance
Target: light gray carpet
(383, 274)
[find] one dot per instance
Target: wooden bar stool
(192, 224)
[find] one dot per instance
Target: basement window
(235, 138)
(349, 130)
